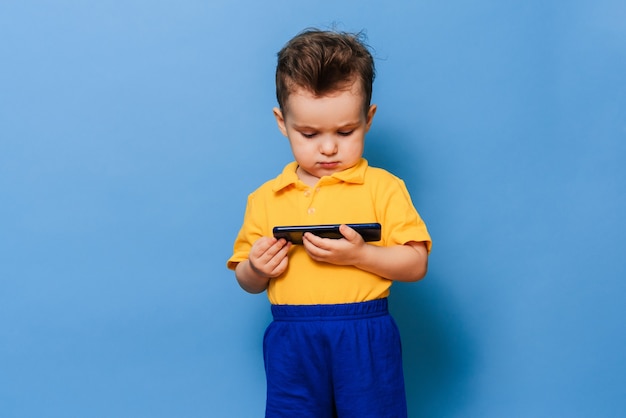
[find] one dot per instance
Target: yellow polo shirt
(358, 194)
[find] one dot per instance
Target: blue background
(131, 133)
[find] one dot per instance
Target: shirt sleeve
(250, 231)
(402, 223)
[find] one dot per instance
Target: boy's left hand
(344, 251)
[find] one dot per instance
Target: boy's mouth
(329, 165)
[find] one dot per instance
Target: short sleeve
(248, 234)
(403, 223)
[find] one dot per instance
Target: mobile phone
(369, 231)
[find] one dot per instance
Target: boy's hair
(322, 62)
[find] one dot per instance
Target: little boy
(332, 350)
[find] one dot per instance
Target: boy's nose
(328, 146)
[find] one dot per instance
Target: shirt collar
(354, 174)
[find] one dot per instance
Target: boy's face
(326, 133)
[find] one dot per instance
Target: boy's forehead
(347, 91)
(342, 107)
(352, 85)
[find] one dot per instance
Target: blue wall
(131, 133)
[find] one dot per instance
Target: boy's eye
(308, 134)
(345, 133)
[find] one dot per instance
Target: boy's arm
(406, 263)
(403, 263)
(267, 259)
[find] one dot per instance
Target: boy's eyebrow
(341, 126)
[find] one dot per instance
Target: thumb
(348, 233)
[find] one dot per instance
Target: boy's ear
(370, 116)
(280, 120)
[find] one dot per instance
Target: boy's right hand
(268, 256)
(267, 259)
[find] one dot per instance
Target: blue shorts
(334, 361)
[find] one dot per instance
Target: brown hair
(322, 62)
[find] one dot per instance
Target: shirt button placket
(309, 194)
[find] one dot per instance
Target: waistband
(343, 311)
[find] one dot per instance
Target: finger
(281, 267)
(278, 249)
(281, 243)
(349, 233)
(278, 263)
(316, 241)
(273, 247)
(316, 252)
(263, 244)
(281, 251)
(265, 249)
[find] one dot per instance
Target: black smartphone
(369, 231)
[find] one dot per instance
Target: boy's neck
(306, 178)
